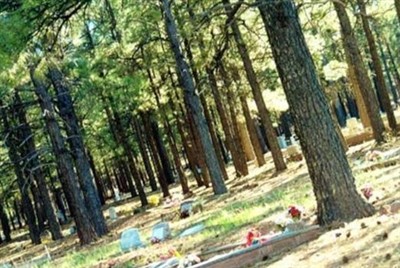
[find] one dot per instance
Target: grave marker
(130, 239)
(112, 213)
(161, 231)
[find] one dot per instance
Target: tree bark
(145, 155)
(388, 73)
(155, 154)
(11, 216)
(23, 183)
(123, 141)
(109, 180)
(75, 140)
(361, 106)
(5, 224)
(397, 6)
(330, 172)
(97, 179)
(377, 66)
(37, 203)
(394, 68)
(68, 178)
(251, 128)
(33, 165)
(239, 148)
(188, 148)
(206, 111)
(198, 148)
(162, 152)
(17, 214)
(257, 94)
(237, 157)
(355, 61)
(193, 102)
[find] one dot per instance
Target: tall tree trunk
(17, 213)
(235, 129)
(68, 178)
(338, 129)
(198, 148)
(187, 148)
(33, 164)
(196, 76)
(97, 178)
(214, 137)
(75, 140)
(177, 160)
(192, 100)
(37, 203)
(162, 152)
(145, 155)
(397, 6)
(206, 111)
(330, 173)
(23, 183)
(389, 76)
(237, 157)
(5, 224)
(355, 61)
(109, 180)
(155, 153)
(257, 94)
(123, 141)
(360, 103)
(251, 128)
(188, 141)
(11, 216)
(394, 67)
(377, 66)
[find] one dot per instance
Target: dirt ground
(369, 242)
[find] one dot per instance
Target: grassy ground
(253, 201)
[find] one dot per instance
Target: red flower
(251, 237)
(294, 212)
(367, 191)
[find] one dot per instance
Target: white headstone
(113, 213)
(117, 197)
(130, 239)
(282, 142)
(161, 231)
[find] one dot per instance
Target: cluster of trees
(109, 95)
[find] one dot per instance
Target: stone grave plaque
(282, 142)
(161, 231)
(113, 213)
(130, 239)
(117, 196)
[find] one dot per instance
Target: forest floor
(254, 201)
